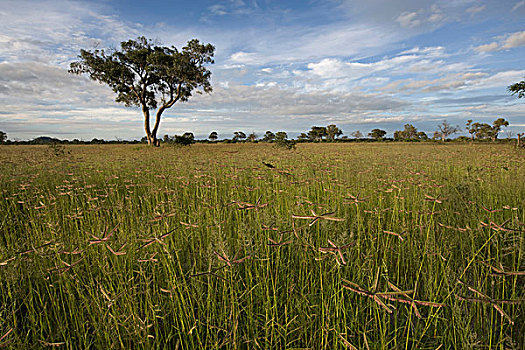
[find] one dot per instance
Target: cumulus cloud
(514, 40)
(507, 42)
(493, 46)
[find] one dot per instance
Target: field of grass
(338, 246)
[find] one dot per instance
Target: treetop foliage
(144, 74)
(518, 88)
(377, 134)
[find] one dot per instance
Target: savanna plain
(246, 246)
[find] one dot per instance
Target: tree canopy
(518, 88)
(150, 76)
(377, 134)
(213, 136)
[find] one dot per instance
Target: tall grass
(413, 247)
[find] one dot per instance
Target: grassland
(339, 246)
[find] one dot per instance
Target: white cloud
(518, 5)
(514, 40)
(501, 79)
(408, 20)
(476, 9)
(509, 41)
(494, 46)
(244, 57)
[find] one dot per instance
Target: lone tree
(213, 136)
(3, 137)
(445, 130)
(518, 88)
(377, 134)
(149, 76)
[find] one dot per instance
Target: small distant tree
(268, 136)
(332, 131)
(496, 128)
(302, 137)
(422, 136)
(281, 135)
(281, 140)
(377, 134)
(408, 133)
(445, 130)
(238, 135)
(482, 130)
(252, 137)
(185, 140)
(518, 88)
(188, 135)
(470, 129)
(213, 136)
(166, 138)
(357, 134)
(149, 76)
(3, 137)
(317, 133)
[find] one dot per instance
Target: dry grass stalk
(356, 200)
(314, 217)
(337, 251)
(230, 262)
(155, 239)
(105, 237)
(398, 235)
(485, 299)
(249, 206)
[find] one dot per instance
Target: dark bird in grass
(269, 165)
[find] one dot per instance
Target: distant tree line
(331, 133)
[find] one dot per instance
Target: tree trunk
(151, 136)
(157, 124)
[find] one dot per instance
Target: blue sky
(280, 65)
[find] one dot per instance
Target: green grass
(206, 253)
